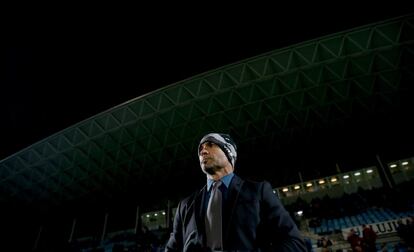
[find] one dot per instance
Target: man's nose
(203, 151)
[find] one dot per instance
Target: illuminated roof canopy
(269, 102)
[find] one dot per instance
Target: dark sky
(67, 72)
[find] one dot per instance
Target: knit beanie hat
(225, 142)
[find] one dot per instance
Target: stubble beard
(210, 169)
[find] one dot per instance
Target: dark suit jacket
(253, 220)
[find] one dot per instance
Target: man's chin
(209, 170)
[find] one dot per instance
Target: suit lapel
(233, 195)
(198, 208)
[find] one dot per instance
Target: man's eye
(210, 144)
(206, 144)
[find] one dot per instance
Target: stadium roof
(302, 108)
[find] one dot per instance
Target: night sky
(60, 74)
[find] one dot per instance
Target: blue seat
(336, 224)
(348, 222)
(372, 217)
(354, 221)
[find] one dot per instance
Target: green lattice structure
(266, 102)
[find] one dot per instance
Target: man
(369, 238)
(249, 217)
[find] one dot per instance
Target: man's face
(212, 158)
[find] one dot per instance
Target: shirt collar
(226, 181)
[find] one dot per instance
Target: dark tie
(213, 219)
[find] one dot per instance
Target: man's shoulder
(255, 184)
